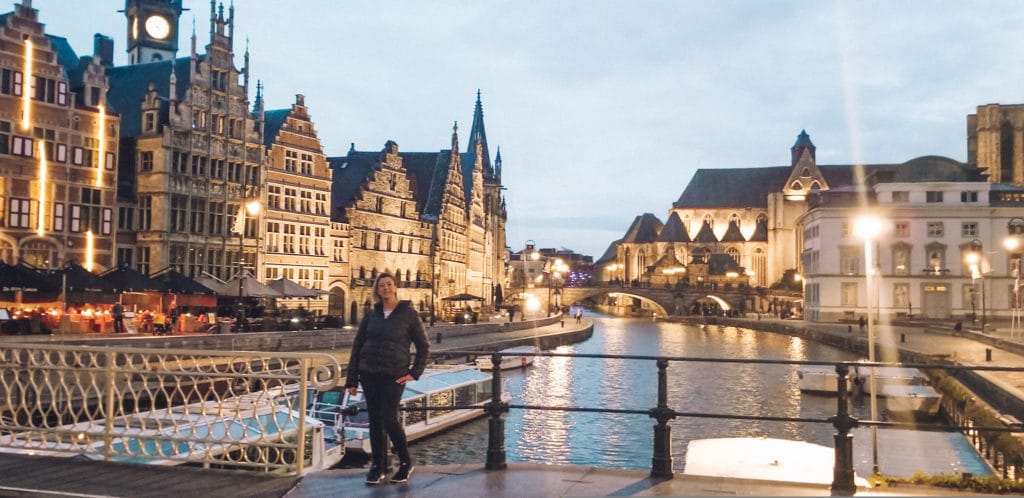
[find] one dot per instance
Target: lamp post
(1014, 244)
(253, 208)
(974, 259)
(867, 228)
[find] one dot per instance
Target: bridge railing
(243, 410)
(843, 482)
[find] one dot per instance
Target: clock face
(135, 28)
(158, 27)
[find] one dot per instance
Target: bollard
(988, 354)
(903, 337)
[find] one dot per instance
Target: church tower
(152, 29)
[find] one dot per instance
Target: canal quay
(36, 476)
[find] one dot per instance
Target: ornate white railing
(168, 407)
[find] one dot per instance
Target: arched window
(733, 253)
(759, 265)
(709, 219)
(734, 218)
(815, 185)
(40, 253)
(805, 173)
(686, 224)
(796, 186)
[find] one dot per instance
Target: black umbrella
(126, 279)
(462, 297)
(178, 283)
(83, 286)
(20, 278)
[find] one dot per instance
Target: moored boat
(521, 357)
(890, 376)
(822, 379)
(918, 401)
(440, 386)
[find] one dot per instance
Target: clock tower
(152, 29)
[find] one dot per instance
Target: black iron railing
(661, 462)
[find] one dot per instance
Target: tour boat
(439, 386)
(521, 357)
(763, 459)
(235, 432)
(888, 376)
(822, 378)
(919, 401)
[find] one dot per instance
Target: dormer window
(805, 173)
(149, 121)
(796, 186)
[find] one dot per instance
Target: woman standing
(380, 362)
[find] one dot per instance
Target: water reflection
(625, 441)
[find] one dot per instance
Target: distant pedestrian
(958, 327)
(440, 337)
(579, 315)
(117, 312)
(860, 323)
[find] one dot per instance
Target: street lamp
(867, 228)
(1014, 244)
(974, 260)
(253, 208)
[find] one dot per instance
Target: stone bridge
(676, 301)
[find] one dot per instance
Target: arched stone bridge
(674, 301)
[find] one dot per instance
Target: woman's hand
(352, 391)
(405, 378)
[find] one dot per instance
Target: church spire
(478, 135)
(803, 142)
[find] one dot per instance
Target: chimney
(103, 49)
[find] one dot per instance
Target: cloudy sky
(604, 109)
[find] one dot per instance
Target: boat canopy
(445, 379)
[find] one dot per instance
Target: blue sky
(604, 109)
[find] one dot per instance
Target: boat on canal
(822, 379)
(440, 386)
(521, 357)
(254, 428)
(889, 376)
(912, 400)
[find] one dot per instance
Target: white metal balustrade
(211, 408)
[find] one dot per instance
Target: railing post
(110, 369)
(301, 411)
(842, 471)
(496, 424)
(661, 462)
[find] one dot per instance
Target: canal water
(626, 441)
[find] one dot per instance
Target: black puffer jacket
(381, 345)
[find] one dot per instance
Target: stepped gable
(129, 85)
(272, 123)
(645, 228)
(733, 234)
(674, 231)
(705, 235)
(348, 177)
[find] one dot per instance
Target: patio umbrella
(126, 279)
(179, 283)
(250, 287)
(19, 282)
(287, 288)
(82, 286)
(462, 297)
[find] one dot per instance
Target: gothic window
(686, 223)
(815, 186)
(734, 218)
(796, 186)
(710, 220)
(760, 264)
(805, 173)
(734, 254)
